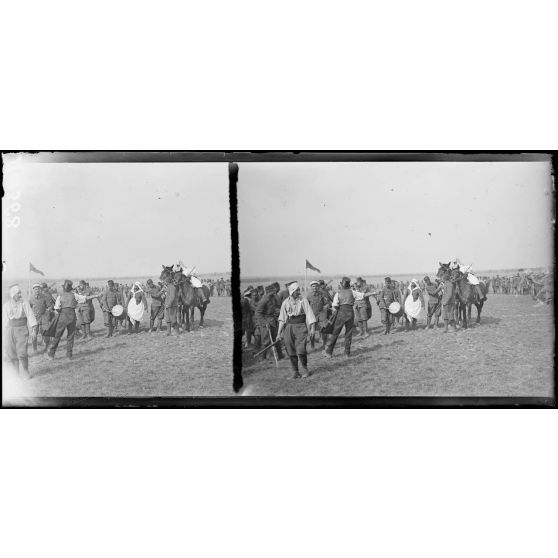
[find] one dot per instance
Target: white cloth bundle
(135, 310)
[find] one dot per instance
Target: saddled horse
(466, 295)
(189, 299)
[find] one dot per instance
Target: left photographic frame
(116, 279)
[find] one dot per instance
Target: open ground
(510, 353)
(145, 364)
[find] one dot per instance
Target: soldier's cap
(82, 281)
(37, 285)
(312, 283)
(44, 285)
(67, 285)
(270, 288)
(426, 278)
(110, 282)
(276, 285)
(360, 280)
(322, 282)
(387, 279)
(149, 282)
(247, 292)
(345, 282)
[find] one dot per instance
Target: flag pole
(306, 278)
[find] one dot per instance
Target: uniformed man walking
(85, 310)
(296, 319)
(342, 305)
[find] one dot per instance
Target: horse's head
(444, 271)
(167, 274)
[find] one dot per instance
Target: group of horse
(188, 296)
(461, 294)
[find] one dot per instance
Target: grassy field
(511, 353)
(144, 364)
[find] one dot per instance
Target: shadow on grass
(206, 324)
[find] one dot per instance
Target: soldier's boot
(129, 328)
(312, 341)
(24, 368)
(47, 343)
(86, 332)
(169, 329)
(324, 338)
(159, 325)
(303, 359)
(177, 329)
(151, 326)
(365, 328)
(386, 328)
(294, 366)
(109, 332)
(428, 320)
(436, 321)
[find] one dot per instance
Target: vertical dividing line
(235, 279)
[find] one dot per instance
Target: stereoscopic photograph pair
(279, 279)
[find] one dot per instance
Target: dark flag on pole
(34, 269)
(310, 266)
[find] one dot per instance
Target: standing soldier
(387, 295)
(320, 305)
(17, 319)
(342, 304)
(434, 301)
(109, 299)
(85, 310)
(157, 310)
(295, 318)
(247, 315)
(266, 318)
(171, 307)
(43, 308)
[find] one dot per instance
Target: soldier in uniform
(247, 316)
(387, 295)
(266, 319)
(85, 310)
(342, 304)
(320, 305)
(157, 309)
(434, 301)
(171, 307)
(109, 299)
(295, 319)
(65, 304)
(363, 308)
(17, 319)
(43, 308)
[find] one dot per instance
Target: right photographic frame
(396, 279)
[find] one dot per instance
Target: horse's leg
(479, 309)
(192, 315)
(202, 312)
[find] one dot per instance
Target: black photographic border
(234, 158)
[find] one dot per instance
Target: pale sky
(393, 217)
(115, 219)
